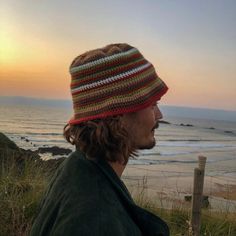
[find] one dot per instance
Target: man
(115, 92)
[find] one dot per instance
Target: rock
(188, 198)
(187, 125)
(228, 132)
(205, 200)
(13, 156)
(211, 128)
(164, 122)
(55, 150)
(6, 143)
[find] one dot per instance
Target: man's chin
(148, 146)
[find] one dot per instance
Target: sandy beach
(172, 181)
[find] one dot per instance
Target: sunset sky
(191, 43)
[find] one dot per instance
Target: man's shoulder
(77, 164)
(80, 178)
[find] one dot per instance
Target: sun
(8, 49)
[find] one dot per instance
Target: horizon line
(167, 105)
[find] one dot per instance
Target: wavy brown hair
(101, 138)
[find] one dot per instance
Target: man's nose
(158, 114)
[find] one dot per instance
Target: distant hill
(175, 111)
(5, 100)
(199, 113)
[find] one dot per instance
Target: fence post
(197, 196)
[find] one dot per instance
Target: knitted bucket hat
(113, 80)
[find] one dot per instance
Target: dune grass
(213, 223)
(178, 219)
(21, 192)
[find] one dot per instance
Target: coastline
(25, 177)
(172, 181)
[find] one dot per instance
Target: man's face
(141, 126)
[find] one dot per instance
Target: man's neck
(117, 167)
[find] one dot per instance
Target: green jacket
(88, 198)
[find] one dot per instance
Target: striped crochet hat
(113, 80)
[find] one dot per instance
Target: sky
(192, 45)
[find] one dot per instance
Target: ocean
(181, 141)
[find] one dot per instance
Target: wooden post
(197, 196)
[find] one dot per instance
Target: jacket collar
(149, 224)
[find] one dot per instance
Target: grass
(21, 192)
(213, 223)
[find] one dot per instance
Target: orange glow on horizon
(31, 68)
(34, 68)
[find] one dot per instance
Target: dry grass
(21, 192)
(213, 223)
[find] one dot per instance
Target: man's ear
(127, 120)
